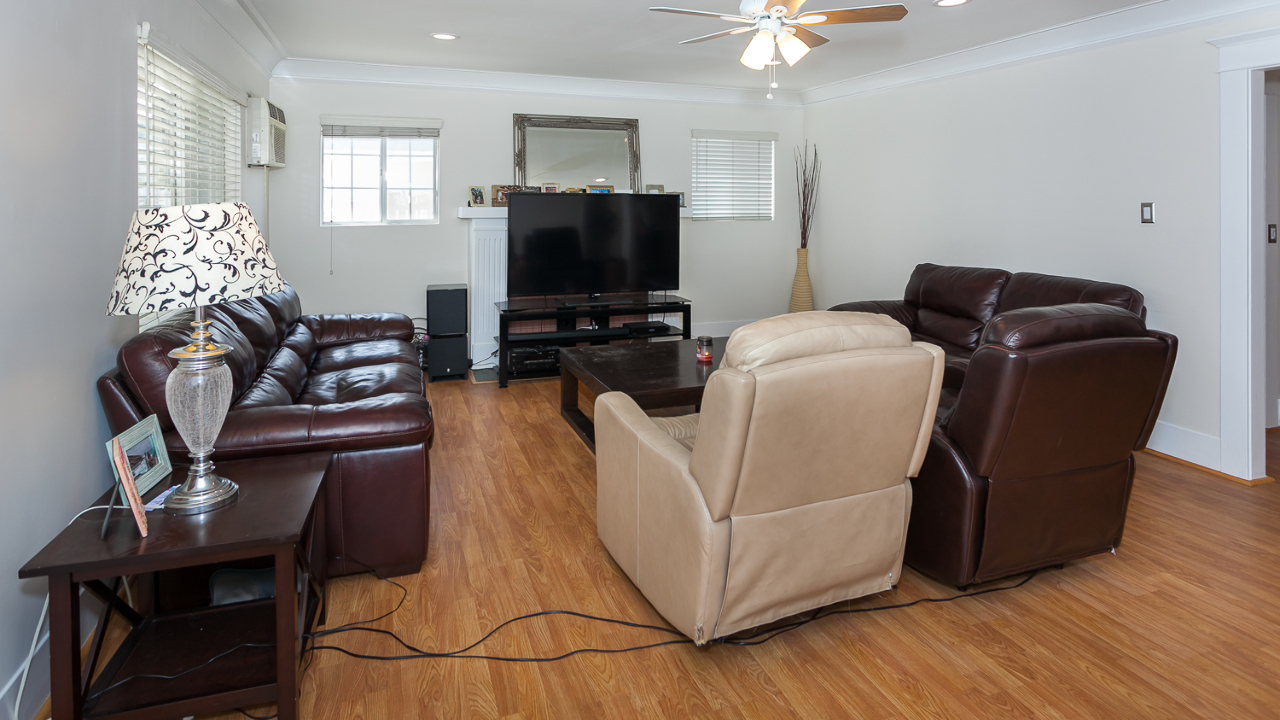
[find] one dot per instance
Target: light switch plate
(1271, 233)
(1148, 213)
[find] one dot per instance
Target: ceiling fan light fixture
(792, 48)
(444, 36)
(949, 3)
(759, 51)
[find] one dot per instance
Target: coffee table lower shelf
(177, 643)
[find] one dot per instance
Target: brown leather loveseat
(348, 384)
(1033, 465)
(951, 306)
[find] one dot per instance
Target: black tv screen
(589, 243)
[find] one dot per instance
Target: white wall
(69, 187)
(732, 271)
(1041, 167)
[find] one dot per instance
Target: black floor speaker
(447, 346)
(447, 357)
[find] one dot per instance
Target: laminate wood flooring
(1182, 623)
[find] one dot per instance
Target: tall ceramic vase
(801, 290)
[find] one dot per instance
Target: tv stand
(567, 311)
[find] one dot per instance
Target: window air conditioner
(266, 128)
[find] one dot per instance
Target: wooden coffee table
(279, 514)
(654, 374)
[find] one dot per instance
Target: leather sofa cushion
(253, 321)
(899, 310)
(344, 329)
(1035, 326)
(146, 364)
(354, 384)
(284, 308)
(369, 424)
(800, 335)
(361, 354)
(281, 381)
(1027, 289)
(964, 292)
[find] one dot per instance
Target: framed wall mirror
(574, 152)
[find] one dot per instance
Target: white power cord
(44, 613)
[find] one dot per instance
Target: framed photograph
(573, 190)
(550, 187)
(500, 193)
(603, 189)
(477, 196)
(143, 446)
(654, 190)
(531, 188)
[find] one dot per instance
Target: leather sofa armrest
(1171, 341)
(948, 514)
(379, 422)
(899, 310)
(651, 516)
(331, 330)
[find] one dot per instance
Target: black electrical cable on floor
(757, 638)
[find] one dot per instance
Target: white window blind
(189, 135)
(732, 175)
(379, 170)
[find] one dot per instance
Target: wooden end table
(654, 374)
(279, 514)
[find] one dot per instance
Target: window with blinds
(379, 171)
(732, 175)
(189, 135)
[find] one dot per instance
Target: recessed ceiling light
(949, 3)
(451, 36)
(599, 180)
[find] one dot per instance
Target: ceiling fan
(780, 22)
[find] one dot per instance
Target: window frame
(734, 136)
(382, 185)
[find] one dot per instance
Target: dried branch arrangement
(808, 170)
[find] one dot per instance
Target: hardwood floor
(1183, 623)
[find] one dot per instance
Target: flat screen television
(592, 243)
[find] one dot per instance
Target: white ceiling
(623, 40)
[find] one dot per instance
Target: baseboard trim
(1215, 473)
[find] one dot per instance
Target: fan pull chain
(773, 83)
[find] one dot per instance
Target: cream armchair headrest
(797, 335)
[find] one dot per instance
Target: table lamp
(191, 256)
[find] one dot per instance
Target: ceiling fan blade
(712, 36)
(877, 13)
(679, 11)
(809, 37)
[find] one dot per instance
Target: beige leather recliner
(789, 491)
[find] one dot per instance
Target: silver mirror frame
(573, 122)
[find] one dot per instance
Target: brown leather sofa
(1033, 464)
(950, 306)
(789, 490)
(348, 384)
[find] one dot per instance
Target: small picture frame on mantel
(477, 199)
(600, 189)
(654, 190)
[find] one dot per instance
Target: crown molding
(1145, 19)
(247, 30)
(305, 69)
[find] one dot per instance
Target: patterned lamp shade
(189, 255)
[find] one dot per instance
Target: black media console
(537, 353)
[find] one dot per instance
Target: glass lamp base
(201, 493)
